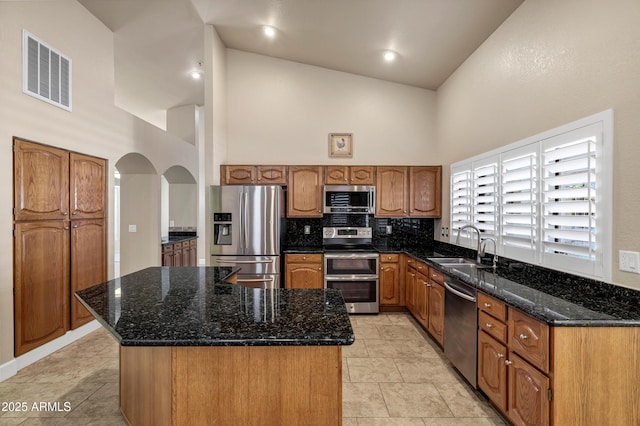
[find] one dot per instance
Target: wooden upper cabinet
(304, 198)
(238, 175)
(253, 175)
(425, 186)
(41, 181)
(349, 175)
(391, 191)
(87, 187)
(272, 175)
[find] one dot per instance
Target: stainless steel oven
(351, 266)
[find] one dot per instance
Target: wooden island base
(227, 385)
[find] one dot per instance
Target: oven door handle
(351, 256)
(350, 277)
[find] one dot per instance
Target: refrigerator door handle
(268, 260)
(256, 280)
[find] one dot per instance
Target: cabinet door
(391, 191)
(361, 175)
(389, 280)
(88, 263)
(528, 402)
(304, 271)
(436, 311)
(492, 371)
(238, 175)
(425, 186)
(304, 198)
(87, 187)
(410, 290)
(272, 175)
(529, 338)
(41, 283)
(422, 300)
(193, 254)
(336, 175)
(41, 181)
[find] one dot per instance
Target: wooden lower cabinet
(528, 393)
(184, 253)
(390, 280)
(88, 263)
(436, 311)
(492, 371)
(422, 300)
(41, 283)
(231, 385)
(304, 271)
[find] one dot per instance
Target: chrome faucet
(478, 258)
(483, 248)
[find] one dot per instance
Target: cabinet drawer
(529, 338)
(492, 326)
(492, 306)
(421, 268)
(193, 242)
(389, 257)
(304, 257)
(435, 275)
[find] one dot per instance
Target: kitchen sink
(451, 261)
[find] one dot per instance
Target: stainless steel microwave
(350, 199)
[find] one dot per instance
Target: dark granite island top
(193, 306)
(196, 350)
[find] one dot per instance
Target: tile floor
(393, 375)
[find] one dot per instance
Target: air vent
(46, 73)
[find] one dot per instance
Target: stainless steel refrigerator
(246, 232)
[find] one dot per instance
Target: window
(546, 199)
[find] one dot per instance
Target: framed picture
(340, 144)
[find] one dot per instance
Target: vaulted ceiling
(158, 43)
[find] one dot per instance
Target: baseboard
(12, 367)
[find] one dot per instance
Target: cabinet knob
(304, 257)
(75, 226)
(65, 213)
(487, 305)
(319, 269)
(499, 355)
(488, 325)
(523, 337)
(66, 228)
(74, 213)
(507, 362)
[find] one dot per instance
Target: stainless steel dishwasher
(461, 327)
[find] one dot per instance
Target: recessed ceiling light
(389, 55)
(269, 31)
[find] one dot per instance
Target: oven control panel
(354, 232)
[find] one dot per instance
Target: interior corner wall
(548, 64)
(94, 127)
(281, 112)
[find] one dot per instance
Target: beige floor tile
(373, 370)
(349, 421)
(357, 349)
(383, 319)
(467, 421)
(399, 331)
(393, 421)
(424, 370)
(345, 370)
(414, 400)
(463, 401)
(400, 348)
(363, 400)
(367, 331)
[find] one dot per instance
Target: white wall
(549, 64)
(281, 112)
(183, 201)
(95, 127)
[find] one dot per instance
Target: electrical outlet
(389, 229)
(629, 261)
(307, 229)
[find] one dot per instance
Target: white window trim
(604, 200)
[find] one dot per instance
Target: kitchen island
(195, 350)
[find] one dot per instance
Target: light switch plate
(133, 228)
(629, 261)
(307, 229)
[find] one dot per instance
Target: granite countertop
(176, 238)
(554, 298)
(558, 303)
(193, 306)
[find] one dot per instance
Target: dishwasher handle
(459, 293)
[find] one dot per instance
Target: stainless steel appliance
(351, 265)
(350, 199)
(246, 232)
(461, 327)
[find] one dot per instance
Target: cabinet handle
(488, 325)
(499, 355)
(507, 362)
(487, 305)
(523, 337)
